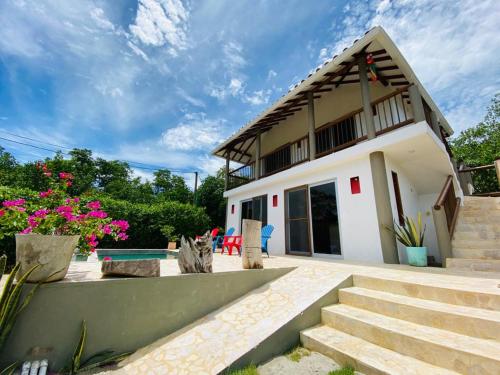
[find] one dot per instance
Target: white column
(416, 103)
(312, 125)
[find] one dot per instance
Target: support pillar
(383, 206)
(365, 97)
(435, 124)
(442, 234)
(416, 103)
(312, 125)
(497, 168)
(226, 175)
(257, 156)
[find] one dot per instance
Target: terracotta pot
(172, 245)
(53, 253)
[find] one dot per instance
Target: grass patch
(296, 354)
(347, 370)
(249, 370)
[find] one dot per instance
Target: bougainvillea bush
(54, 212)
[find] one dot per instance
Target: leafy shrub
(145, 220)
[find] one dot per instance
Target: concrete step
(433, 288)
(460, 319)
(482, 265)
(473, 253)
(465, 228)
(480, 219)
(450, 350)
(363, 355)
(477, 244)
(477, 235)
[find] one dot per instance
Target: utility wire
(131, 163)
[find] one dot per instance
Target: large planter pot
(172, 245)
(417, 256)
(52, 253)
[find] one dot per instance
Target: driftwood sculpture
(196, 256)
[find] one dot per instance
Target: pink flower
(92, 240)
(121, 224)
(45, 194)
(41, 213)
(48, 174)
(2, 212)
(63, 209)
(14, 203)
(122, 236)
(65, 176)
(107, 259)
(106, 229)
(26, 230)
(95, 205)
(97, 214)
(76, 200)
(68, 183)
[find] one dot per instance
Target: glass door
(255, 209)
(325, 219)
(297, 221)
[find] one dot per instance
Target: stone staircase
(390, 326)
(476, 240)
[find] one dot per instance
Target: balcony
(390, 112)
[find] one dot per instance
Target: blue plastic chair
(219, 239)
(265, 234)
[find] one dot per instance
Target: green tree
(169, 187)
(210, 196)
(480, 145)
(8, 168)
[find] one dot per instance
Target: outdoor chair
(219, 240)
(265, 234)
(231, 242)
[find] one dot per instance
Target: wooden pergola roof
(341, 70)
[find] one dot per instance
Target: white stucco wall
(413, 202)
(359, 234)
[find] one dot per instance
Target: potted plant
(172, 238)
(411, 235)
(48, 228)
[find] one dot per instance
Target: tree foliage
(210, 196)
(480, 145)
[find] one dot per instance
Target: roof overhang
(332, 73)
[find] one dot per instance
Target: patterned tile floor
(212, 343)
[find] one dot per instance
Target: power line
(131, 163)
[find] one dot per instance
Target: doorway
(325, 219)
(255, 209)
(297, 221)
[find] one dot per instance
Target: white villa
(342, 155)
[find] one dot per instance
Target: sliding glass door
(255, 209)
(325, 219)
(297, 221)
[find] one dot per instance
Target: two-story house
(352, 148)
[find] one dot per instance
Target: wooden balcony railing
(390, 112)
(483, 180)
(450, 203)
(285, 157)
(241, 176)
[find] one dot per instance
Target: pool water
(133, 256)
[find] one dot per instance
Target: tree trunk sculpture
(196, 256)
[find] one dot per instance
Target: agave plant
(11, 304)
(410, 234)
(102, 358)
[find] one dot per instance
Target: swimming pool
(133, 254)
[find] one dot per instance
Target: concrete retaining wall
(121, 314)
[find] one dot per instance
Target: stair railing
(445, 213)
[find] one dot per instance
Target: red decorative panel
(275, 200)
(232, 209)
(355, 185)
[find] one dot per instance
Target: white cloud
(97, 14)
(271, 74)
(258, 97)
(233, 56)
(194, 132)
(160, 22)
(137, 51)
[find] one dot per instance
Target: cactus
(10, 300)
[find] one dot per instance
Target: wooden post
(416, 103)
(226, 175)
(251, 255)
(497, 168)
(435, 124)
(442, 234)
(195, 187)
(257, 156)
(312, 125)
(365, 97)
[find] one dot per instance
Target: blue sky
(161, 82)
